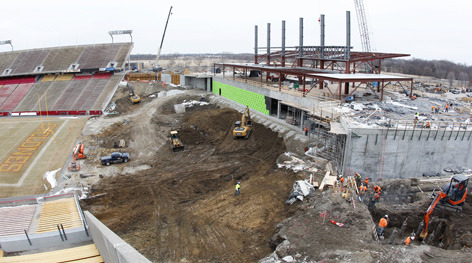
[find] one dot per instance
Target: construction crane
(362, 21)
(162, 40)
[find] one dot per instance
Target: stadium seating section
(60, 58)
(255, 101)
(66, 90)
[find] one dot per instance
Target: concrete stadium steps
(26, 62)
(48, 78)
(53, 213)
(6, 60)
(16, 96)
(122, 54)
(30, 101)
(103, 100)
(64, 77)
(69, 95)
(53, 92)
(7, 90)
(61, 58)
(89, 95)
(72, 95)
(97, 56)
(82, 254)
(14, 220)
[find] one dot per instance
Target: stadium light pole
(122, 32)
(7, 42)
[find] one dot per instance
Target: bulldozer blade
(177, 149)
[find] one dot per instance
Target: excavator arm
(430, 210)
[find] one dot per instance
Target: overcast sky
(427, 29)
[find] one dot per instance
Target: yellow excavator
(243, 128)
(176, 143)
(132, 96)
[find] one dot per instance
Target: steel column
(300, 49)
(268, 44)
(283, 43)
(255, 44)
(348, 35)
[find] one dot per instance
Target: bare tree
(199, 61)
(451, 76)
(464, 79)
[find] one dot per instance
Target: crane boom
(163, 36)
(362, 21)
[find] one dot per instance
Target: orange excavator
(451, 197)
(77, 153)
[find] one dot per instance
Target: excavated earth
(182, 208)
(179, 207)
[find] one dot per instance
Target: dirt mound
(183, 208)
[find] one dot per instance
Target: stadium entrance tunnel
(406, 207)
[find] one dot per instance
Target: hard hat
(357, 174)
(413, 238)
(386, 216)
(239, 182)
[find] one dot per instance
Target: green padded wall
(254, 100)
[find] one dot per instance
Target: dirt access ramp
(31, 147)
(181, 207)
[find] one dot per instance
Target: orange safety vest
(362, 189)
(383, 222)
(407, 241)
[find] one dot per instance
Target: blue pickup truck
(115, 157)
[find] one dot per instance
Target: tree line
(441, 69)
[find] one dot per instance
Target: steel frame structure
(335, 58)
(316, 77)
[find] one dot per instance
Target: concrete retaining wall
(390, 154)
(44, 240)
(111, 247)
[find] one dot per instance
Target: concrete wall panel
(381, 155)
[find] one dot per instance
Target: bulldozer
(243, 128)
(451, 197)
(133, 98)
(176, 143)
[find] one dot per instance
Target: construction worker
(362, 191)
(433, 109)
(447, 107)
(366, 182)
(238, 187)
(341, 181)
(306, 131)
(417, 115)
(428, 125)
(358, 178)
(377, 191)
(408, 240)
(382, 225)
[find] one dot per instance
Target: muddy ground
(179, 207)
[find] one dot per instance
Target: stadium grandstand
(71, 80)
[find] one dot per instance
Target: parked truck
(115, 157)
